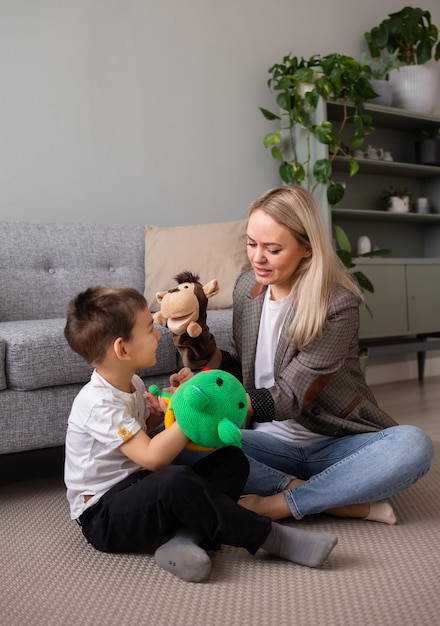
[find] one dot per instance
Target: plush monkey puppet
(183, 310)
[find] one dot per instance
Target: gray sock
(300, 546)
(183, 557)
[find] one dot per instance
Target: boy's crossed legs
(226, 471)
(193, 504)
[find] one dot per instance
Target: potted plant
(411, 33)
(427, 149)
(380, 69)
(301, 85)
(397, 199)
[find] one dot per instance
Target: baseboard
(389, 369)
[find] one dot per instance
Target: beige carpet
(377, 575)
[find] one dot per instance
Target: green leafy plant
(410, 32)
(431, 134)
(299, 84)
(394, 192)
(382, 65)
(345, 253)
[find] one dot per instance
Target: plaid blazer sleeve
(321, 386)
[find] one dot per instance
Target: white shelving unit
(361, 211)
(406, 302)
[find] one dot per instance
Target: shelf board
(388, 168)
(389, 117)
(390, 260)
(385, 216)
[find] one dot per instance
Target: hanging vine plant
(299, 84)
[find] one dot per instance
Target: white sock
(300, 546)
(381, 512)
(182, 556)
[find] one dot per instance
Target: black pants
(145, 509)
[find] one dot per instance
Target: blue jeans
(346, 470)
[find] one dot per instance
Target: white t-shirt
(272, 319)
(101, 419)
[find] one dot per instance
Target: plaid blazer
(321, 386)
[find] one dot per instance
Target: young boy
(122, 487)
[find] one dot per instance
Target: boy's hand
(155, 404)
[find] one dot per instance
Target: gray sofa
(42, 266)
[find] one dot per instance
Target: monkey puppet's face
(180, 306)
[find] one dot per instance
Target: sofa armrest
(2, 364)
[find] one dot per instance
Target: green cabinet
(406, 300)
(388, 304)
(423, 285)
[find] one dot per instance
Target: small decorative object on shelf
(373, 153)
(363, 244)
(427, 149)
(422, 205)
(397, 199)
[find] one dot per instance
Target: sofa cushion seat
(36, 355)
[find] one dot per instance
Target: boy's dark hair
(98, 316)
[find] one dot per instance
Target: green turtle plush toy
(210, 408)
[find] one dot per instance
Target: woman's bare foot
(276, 507)
(370, 511)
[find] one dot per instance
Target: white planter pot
(415, 88)
(399, 205)
(383, 90)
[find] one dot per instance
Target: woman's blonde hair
(317, 275)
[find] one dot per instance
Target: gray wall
(147, 112)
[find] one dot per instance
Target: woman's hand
(179, 377)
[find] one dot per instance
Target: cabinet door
(387, 303)
(423, 284)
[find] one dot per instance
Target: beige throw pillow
(208, 250)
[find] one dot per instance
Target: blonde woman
(315, 437)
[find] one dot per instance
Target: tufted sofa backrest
(42, 266)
